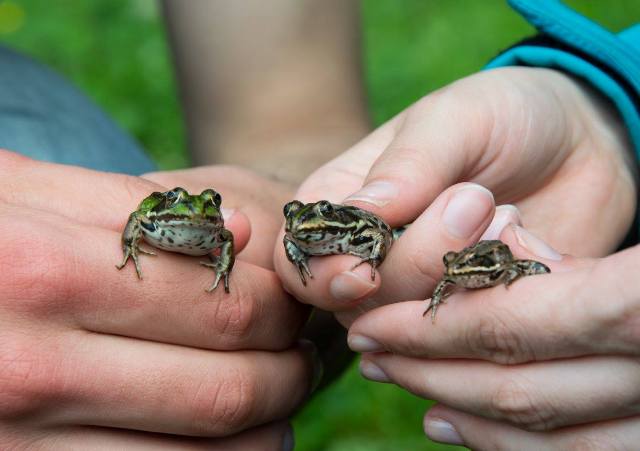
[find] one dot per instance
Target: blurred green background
(115, 51)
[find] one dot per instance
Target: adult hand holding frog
(94, 358)
(550, 363)
(535, 137)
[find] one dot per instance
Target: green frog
(179, 222)
(323, 228)
(485, 264)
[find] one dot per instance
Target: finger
(77, 282)
(503, 216)
(117, 382)
(266, 438)
(345, 173)
(538, 396)
(463, 133)
(413, 264)
(446, 425)
(511, 325)
(86, 196)
(456, 219)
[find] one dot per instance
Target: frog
(176, 221)
(325, 228)
(485, 264)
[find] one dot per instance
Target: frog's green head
(178, 203)
(308, 222)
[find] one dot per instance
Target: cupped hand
(94, 358)
(536, 138)
(552, 362)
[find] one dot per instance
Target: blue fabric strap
(609, 62)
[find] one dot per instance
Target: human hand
(550, 363)
(95, 358)
(535, 137)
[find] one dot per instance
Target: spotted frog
(179, 222)
(323, 228)
(485, 264)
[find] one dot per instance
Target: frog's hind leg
(532, 267)
(440, 293)
(521, 268)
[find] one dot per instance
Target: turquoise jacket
(572, 43)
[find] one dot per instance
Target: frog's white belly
(187, 239)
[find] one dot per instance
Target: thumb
(437, 143)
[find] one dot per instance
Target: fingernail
(441, 431)
(288, 441)
(467, 209)
(373, 372)
(504, 215)
(534, 244)
(352, 285)
(318, 367)
(377, 193)
(360, 343)
(227, 212)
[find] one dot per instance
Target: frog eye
(213, 195)
(325, 207)
(176, 194)
(292, 207)
(448, 258)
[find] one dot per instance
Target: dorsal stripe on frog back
(469, 270)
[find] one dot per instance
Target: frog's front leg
(131, 237)
(222, 264)
(378, 249)
(437, 298)
(298, 258)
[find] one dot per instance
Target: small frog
(323, 228)
(179, 222)
(485, 264)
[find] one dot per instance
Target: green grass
(116, 52)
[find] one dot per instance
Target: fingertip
(504, 215)
(240, 225)
(336, 285)
(438, 426)
(526, 245)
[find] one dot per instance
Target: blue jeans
(44, 117)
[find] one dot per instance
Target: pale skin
(96, 359)
(545, 143)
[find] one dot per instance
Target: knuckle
(235, 319)
(226, 407)
(39, 269)
(515, 401)
(27, 378)
(500, 339)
